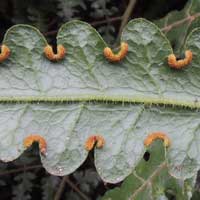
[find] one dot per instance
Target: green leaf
(84, 94)
(178, 24)
(151, 180)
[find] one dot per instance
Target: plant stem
(95, 23)
(25, 168)
(178, 23)
(126, 16)
(61, 188)
(105, 21)
(75, 188)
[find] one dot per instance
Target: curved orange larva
(116, 57)
(179, 64)
(93, 140)
(157, 135)
(28, 141)
(48, 51)
(5, 53)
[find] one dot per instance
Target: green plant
(68, 101)
(178, 24)
(26, 174)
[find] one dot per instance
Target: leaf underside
(84, 94)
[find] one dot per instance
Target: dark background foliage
(25, 178)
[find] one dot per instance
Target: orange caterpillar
(116, 57)
(92, 140)
(48, 51)
(179, 64)
(28, 141)
(157, 135)
(5, 53)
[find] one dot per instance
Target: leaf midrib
(108, 99)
